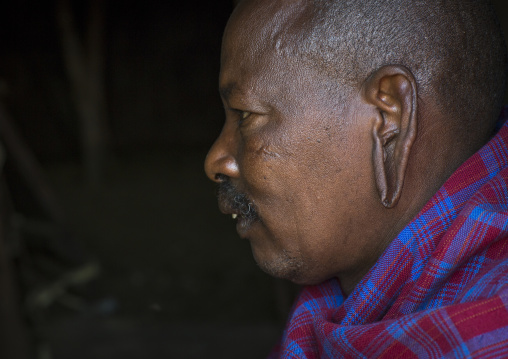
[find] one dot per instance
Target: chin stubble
(286, 266)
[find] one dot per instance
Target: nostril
(219, 177)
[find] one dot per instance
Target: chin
(283, 263)
(295, 275)
(287, 267)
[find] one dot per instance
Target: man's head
(343, 118)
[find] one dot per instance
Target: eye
(244, 115)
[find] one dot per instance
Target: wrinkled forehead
(259, 28)
(261, 59)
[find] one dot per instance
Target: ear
(392, 92)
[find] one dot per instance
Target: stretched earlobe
(392, 92)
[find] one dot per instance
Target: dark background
(175, 281)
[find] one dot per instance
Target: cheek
(309, 168)
(263, 163)
(296, 188)
(272, 180)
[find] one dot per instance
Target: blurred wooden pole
(84, 62)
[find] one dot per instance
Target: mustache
(235, 200)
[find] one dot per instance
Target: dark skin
(332, 183)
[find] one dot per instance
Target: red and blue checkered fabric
(440, 290)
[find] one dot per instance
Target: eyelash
(243, 115)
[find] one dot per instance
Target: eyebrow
(225, 91)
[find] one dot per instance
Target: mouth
(244, 218)
(243, 224)
(238, 205)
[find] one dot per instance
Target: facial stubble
(286, 265)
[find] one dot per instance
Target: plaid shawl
(439, 290)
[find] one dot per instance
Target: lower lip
(243, 225)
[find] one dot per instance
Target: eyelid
(243, 115)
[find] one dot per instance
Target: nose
(221, 159)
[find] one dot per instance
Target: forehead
(268, 23)
(259, 45)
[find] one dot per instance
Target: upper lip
(225, 206)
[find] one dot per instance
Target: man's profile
(362, 157)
